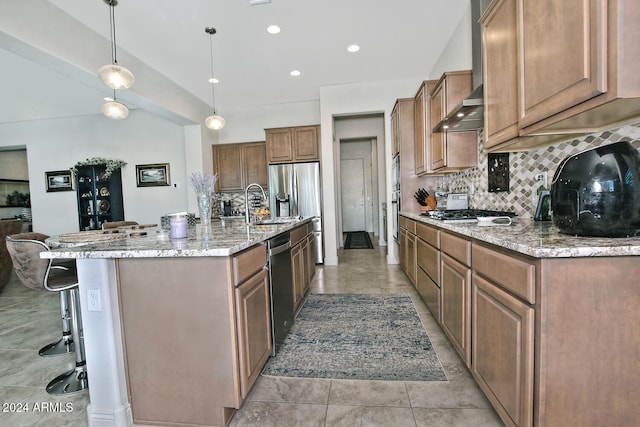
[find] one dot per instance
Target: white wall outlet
(94, 302)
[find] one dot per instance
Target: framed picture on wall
(59, 181)
(154, 175)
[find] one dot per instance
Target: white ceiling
(399, 39)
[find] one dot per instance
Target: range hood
(469, 114)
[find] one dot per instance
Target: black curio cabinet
(99, 198)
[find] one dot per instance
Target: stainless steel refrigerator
(296, 190)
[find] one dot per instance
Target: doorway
(355, 185)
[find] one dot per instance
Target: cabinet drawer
(297, 234)
(408, 224)
(430, 293)
(429, 260)
(428, 234)
(456, 247)
(246, 263)
(514, 273)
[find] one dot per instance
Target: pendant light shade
(115, 110)
(114, 75)
(214, 121)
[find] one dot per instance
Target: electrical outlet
(93, 300)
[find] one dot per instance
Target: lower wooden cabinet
(502, 355)
(455, 285)
(302, 263)
(253, 317)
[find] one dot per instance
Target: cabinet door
(403, 249)
(437, 142)
(502, 360)
(306, 143)
(429, 292)
(455, 286)
(279, 145)
(411, 257)
(226, 162)
(253, 316)
(306, 257)
(563, 55)
(254, 164)
(395, 147)
(298, 275)
(500, 56)
(420, 131)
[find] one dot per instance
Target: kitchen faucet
(247, 216)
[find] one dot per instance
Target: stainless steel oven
(395, 214)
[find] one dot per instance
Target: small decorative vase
(204, 206)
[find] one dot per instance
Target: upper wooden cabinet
(574, 66)
(450, 151)
(293, 144)
(500, 56)
(239, 165)
(422, 130)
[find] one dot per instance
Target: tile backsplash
(523, 166)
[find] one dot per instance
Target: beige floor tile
(368, 416)
(369, 393)
(267, 414)
(291, 390)
(456, 418)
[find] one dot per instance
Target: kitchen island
(175, 331)
(547, 323)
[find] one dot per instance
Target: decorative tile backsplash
(524, 166)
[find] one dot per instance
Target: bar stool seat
(37, 273)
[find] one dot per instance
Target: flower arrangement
(112, 165)
(203, 183)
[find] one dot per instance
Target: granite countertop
(539, 239)
(222, 238)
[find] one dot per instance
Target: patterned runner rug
(358, 240)
(357, 336)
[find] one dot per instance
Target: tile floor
(29, 319)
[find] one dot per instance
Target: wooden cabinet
(448, 150)
(293, 144)
(575, 69)
(428, 267)
(422, 129)
(500, 57)
(302, 263)
(239, 165)
(455, 286)
(408, 247)
(253, 317)
(402, 117)
(197, 331)
(99, 198)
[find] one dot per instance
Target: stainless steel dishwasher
(281, 285)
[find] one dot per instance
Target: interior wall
(363, 150)
(457, 53)
(58, 144)
(356, 99)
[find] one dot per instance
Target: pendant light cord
(112, 24)
(213, 96)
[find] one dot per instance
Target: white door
(353, 195)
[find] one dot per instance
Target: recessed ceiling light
(295, 73)
(213, 80)
(353, 48)
(273, 29)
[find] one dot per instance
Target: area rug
(357, 336)
(358, 240)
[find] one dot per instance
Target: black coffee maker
(597, 192)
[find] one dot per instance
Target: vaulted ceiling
(398, 39)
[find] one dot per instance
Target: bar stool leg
(76, 379)
(65, 344)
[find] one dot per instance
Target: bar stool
(37, 273)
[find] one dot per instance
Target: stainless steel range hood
(469, 115)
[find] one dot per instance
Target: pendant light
(214, 121)
(114, 75)
(114, 109)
